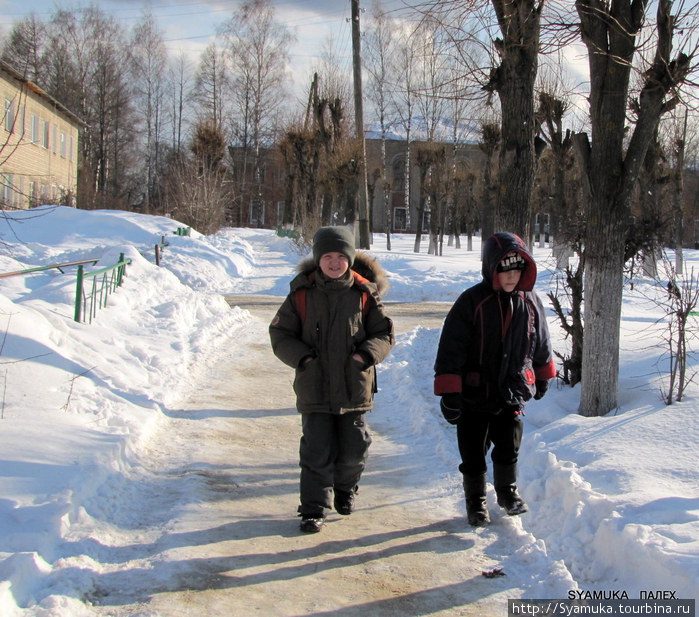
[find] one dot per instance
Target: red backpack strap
(366, 305)
(300, 302)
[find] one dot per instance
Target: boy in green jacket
(333, 331)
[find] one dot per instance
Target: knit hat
(333, 240)
(511, 261)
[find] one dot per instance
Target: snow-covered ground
(615, 500)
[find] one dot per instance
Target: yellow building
(38, 145)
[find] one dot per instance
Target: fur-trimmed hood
(364, 265)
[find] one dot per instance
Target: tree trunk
(514, 80)
(610, 33)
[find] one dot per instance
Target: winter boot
(476, 507)
(505, 481)
(344, 501)
(312, 522)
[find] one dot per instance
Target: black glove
(541, 387)
(451, 407)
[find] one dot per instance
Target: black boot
(344, 501)
(476, 507)
(505, 481)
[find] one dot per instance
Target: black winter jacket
(335, 326)
(495, 345)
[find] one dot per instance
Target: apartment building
(38, 145)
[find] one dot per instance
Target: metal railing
(59, 267)
(104, 282)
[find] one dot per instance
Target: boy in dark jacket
(333, 331)
(494, 355)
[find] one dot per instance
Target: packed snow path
(225, 540)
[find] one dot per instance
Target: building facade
(38, 145)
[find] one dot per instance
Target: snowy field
(614, 500)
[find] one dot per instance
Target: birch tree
(380, 42)
(148, 65)
(258, 47)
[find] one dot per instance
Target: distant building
(38, 145)
(263, 206)
(469, 157)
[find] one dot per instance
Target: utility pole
(363, 195)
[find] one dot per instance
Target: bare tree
(86, 72)
(258, 46)
(379, 45)
(614, 34)
(148, 64)
(212, 87)
(25, 47)
(402, 92)
(178, 83)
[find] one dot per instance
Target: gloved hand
(451, 407)
(541, 387)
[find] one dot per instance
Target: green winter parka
(340, 318)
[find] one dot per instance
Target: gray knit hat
(333, 240)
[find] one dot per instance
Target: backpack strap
(300, 302)
(358, 278)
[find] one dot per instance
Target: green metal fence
(103, 283)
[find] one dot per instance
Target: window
(399, 175)
(400, 221)
(280, 213)
(63, 145)
(9, 115)
(70, 150)
(45, 134)
(35, 129)
(7, 189)
(54, 140)
(256, 214)
(426, 219)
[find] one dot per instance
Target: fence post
(120, 269)
(79, 295)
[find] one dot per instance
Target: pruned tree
(489, 144)
(198, 190)
(614, 35)
(514, 79)
(550, 115)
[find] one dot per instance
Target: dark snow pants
(333, 453)
(476, 431)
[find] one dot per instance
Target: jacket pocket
(309, 384)
(360, 381)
